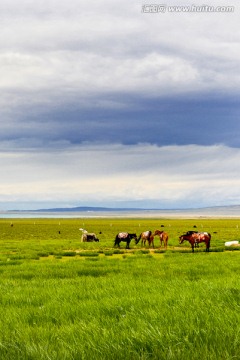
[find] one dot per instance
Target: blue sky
(105, 105)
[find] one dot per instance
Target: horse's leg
(209, 241)
(116, 241)
(166, 242)
(207, 246)
(151, 240)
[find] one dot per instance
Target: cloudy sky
(104, 103)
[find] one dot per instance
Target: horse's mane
(190, 232)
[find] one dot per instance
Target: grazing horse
(124, 236)
(163, 237)
(145, 236)
(190, 232)
(88, 237)
(196, 238)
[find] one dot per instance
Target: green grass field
(62, 299)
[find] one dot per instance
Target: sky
(112, 104)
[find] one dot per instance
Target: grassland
(62, 299)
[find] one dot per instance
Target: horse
(145, 236)
(88, 237)
(190, 232)
(124, 236)
(163, 237)
(196, 238)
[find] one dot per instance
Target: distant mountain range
(87, 208)
(81, 209)
(232, 208)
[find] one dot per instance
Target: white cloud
(182, 176)
(65, 52)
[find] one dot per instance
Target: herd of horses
(146, 236)
(193, 237)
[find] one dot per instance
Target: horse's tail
(138, 239)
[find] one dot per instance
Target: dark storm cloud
(182, 121)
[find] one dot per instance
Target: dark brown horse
(145, 236)
(163, 236)
(195, 238)
(124, 236)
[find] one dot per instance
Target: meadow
(63, 299)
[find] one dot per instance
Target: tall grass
(171, 306)
(116, 304)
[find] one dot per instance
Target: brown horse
(163, 237)
(146, 236)
(195, 238)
